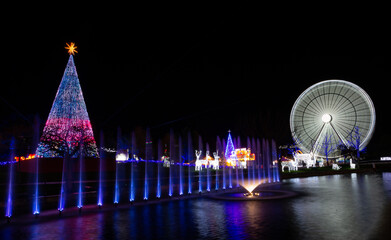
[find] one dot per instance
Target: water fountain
(36, 208)
(249, 186)
(101, 157)
(160, 155)
(189, 157)
(275, 161)
(248, 163)
(269, 177)
(237, 177)
(207, 169)
(80, 192)
(216, 167)
(254, 162)
(224, 183)
(252, 192)
(230, 176)
(132, 190)
(148, 155)
(172, 148)
(217, 180)
(200, 146)
(200, 181)
(36, 192)
(180, 166)
(8, 211)
(258, 158)
(264, 160)
(61, 202)
(224, 164)
(116, 185)
(242, 173)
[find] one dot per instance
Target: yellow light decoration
(243, 154)
(71, 48)
(23, 158)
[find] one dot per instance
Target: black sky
(207, 71)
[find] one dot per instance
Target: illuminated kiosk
(329, 115)
(122, 155)
(291, 165)
(166, 161)
(307, 158)
(239, 158)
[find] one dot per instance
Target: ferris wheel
(331, 114)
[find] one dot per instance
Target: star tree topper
(71, 48)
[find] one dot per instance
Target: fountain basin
(254, 196)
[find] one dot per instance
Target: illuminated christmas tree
(230, 146)
(68, 125)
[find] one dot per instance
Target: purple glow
(224, 183)
(61, 201)
(116, 187)
(8, 211)
(200, 181)
(190, 157)
(80, 194)
(230, 176)
(158, 187)
(36, 197)
(100, 193)
(132, 162)
(180, 180)
(132, 187)
(207, 179)
(217, 180)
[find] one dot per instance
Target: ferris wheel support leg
(313, 149)
(343, 140)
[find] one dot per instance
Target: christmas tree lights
(68, 125)
(230, 146)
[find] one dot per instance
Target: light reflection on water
(356, 206)
(340, 206)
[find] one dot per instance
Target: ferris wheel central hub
(326, 118)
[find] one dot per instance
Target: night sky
(208, 72)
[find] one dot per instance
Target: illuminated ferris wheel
(330, 114)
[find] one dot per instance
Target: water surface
(352, 206)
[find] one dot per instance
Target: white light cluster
(109, 150)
